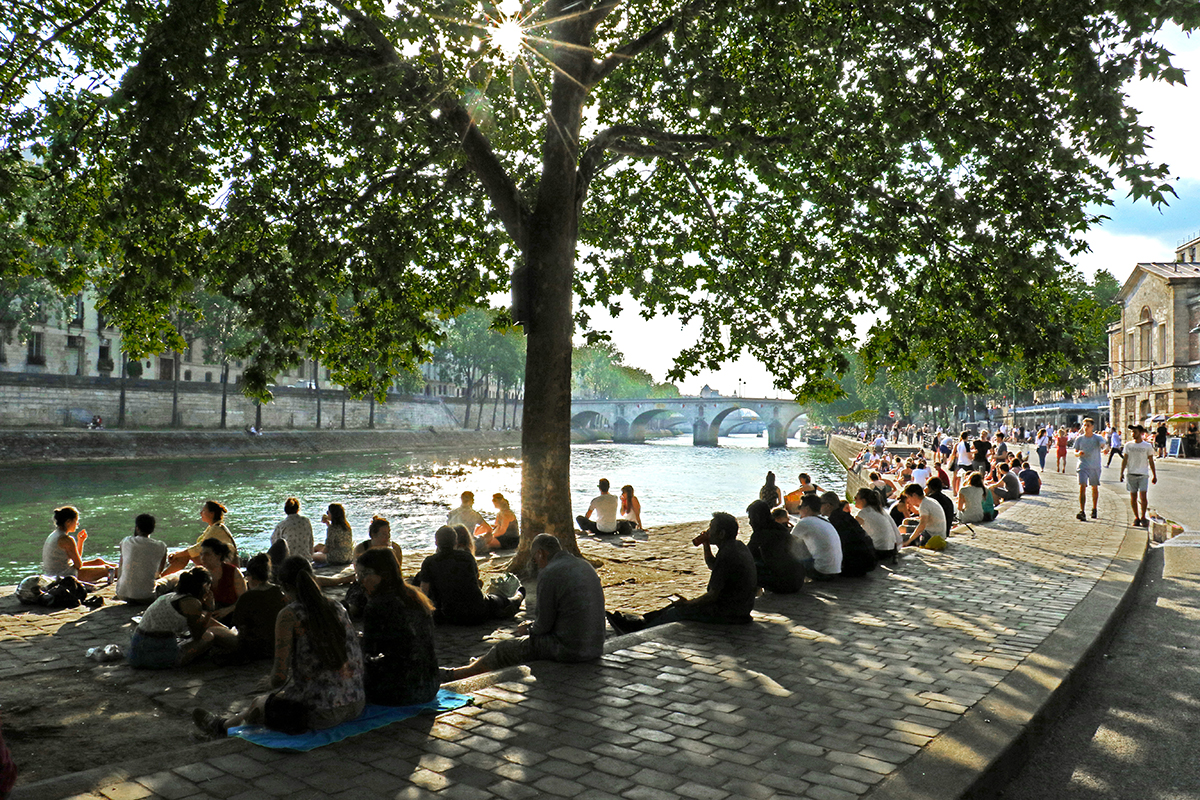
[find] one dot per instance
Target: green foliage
(769, 170)
(598, 371)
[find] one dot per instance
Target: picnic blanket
(372, 717)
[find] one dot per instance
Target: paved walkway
(908, 683)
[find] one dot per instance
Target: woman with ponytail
(318, 672)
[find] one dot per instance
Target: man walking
(1089, 446)
(1114, 445)
(1136, 462)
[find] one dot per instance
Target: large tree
(771, 168)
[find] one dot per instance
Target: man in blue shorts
(1089, 446)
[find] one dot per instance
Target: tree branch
(632, 49)
(64, 28)
(502, 191)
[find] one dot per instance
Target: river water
(674, 481)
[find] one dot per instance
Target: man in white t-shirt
(142, 560)
(605, 506)
(467, 516)
(1138, 472)
(931, 518)
(818, 545)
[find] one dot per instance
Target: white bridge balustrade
(629, 419)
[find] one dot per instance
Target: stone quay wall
(50, 401)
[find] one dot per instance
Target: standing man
(605, 505)
(1089, 446)
(296, 530)
(1136, 461)
(1114, 445)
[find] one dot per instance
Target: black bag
(66, 592)
(284, 715)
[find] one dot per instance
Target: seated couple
(606, 508)
(504, 534)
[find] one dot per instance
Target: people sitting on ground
(183, 612)
(605, 506)
(885, 535)
(450, 579)
(820, 547)
(400, 665)
(295, 529)
(732, 586)
(791, 500)
(940, 473)
(463, 540)
(317, 678)
(379, 537)
(569, 622)
(930, 519)
(505, 533)
(228, 583)
(776, 565)
(251, 636)
(883, 487)
(858, 551)
(62, 554)
(770, 493)
(276, 555)
(142, 560)
(1007, 487)
(338, 548)
(466, 515)
(1031, 482)
(974, 500)
(934, 488)
(631, 512)
(212, 514)
(921, 473)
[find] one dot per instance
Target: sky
(1134, 232)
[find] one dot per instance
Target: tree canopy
(771, 168)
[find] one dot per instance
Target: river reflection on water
(674, 481)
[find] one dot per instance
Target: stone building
(1154, 351)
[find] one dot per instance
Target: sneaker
(617, 620)
(208, 723)
(1093, 512)
(1081, 517)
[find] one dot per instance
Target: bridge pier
(704, 434)
(623, 432)
(776, 435)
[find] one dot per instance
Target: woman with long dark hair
(631, 512)
(318, 674)
(400, 662)
(339, 538)
(776, 565)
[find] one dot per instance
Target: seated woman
(318, 673)
(504, 534)
(62, 554)
(450, 579)
(212, 514)
(631, 511)
(777, 567)
(884, 533)
(464, 540)
(339, 539)
(228, 583)
(379, 537)
(184, 612)
(253, 618)
(972, 499)
(400, 665)
(770, 493)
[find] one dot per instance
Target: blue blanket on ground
(372, 717)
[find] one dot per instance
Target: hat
(1136, 427)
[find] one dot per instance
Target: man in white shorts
(1089, 446)
(1138, 472)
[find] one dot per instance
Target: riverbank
(59, 446)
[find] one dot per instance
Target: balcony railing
(1159, 376)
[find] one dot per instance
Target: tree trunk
(124, 374)
(317, 388)
(496, 402)
(467, 397)
(175, 394)
(550, 264)
(504, 418)
(482, 402)
(371, 417)
(224, 392)
(343, 409)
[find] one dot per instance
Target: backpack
(64, 592)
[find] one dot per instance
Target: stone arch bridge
(628, 419)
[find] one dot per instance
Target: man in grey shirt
(1089, 446)
(569, 624)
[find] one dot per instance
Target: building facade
(1154, 350)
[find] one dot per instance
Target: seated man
(858, 551)
(1031, 482)
(466, 515)
(931, 519)
(732, 586)
(450, 578)
(569, 624)
(1007, 487)
(820, 546)
(934, 489)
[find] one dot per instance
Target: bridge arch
(636, 432)
(588, 420)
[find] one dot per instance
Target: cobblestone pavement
(823, 697)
